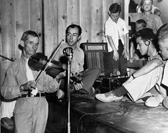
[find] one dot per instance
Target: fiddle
(38, 61)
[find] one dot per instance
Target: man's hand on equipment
(78, 86)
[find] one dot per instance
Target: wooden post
(126, 11)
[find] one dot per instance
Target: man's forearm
(110, 40)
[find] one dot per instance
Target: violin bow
(10, 59)
(49, 61)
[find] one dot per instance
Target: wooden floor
(92, 116)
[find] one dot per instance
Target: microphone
(68, 51)
(68, 54)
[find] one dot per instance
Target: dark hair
(27, 33)
(74, 26)
(142, 21)
(162, 32)
(142, 2)
(114, 8)
(146, 35)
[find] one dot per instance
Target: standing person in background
(155, 10)
(116, 33)
(31, 111)
(87, 77)
(153, 21)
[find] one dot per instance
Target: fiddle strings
(50, 59)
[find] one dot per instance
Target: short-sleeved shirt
(77, 59)
(116, 31)
(153, 21)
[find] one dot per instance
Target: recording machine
(96, 54)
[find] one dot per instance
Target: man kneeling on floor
(147, 77)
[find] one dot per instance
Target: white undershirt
(30, 77)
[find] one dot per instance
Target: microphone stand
(69, 56)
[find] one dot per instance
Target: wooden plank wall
(49, 18)
(0, 46)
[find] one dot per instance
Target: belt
(37, 95)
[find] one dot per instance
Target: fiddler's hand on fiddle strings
(78, 86)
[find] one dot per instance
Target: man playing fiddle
(31, 111)
(88, 77)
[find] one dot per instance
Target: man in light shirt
(116, 33)
(87, 77)
(31, 111)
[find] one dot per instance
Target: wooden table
(92, 116)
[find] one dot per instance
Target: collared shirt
(116, 31)
(153, 21)
(77, 58)
(16, 76)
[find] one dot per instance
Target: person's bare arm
(148, 67)
(131, 52)
(115, 54)
(126, 46)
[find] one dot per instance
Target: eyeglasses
(74, 34)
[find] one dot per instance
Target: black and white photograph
(84, 66)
